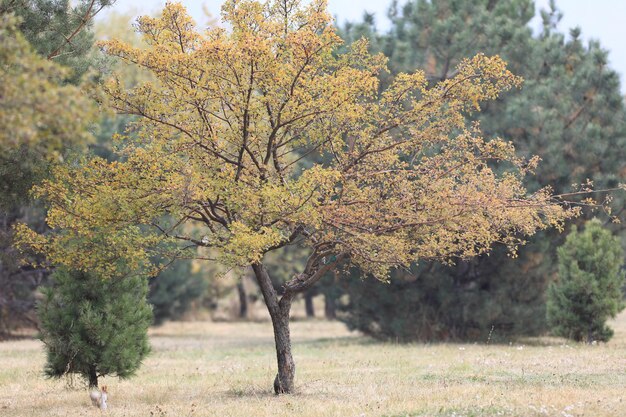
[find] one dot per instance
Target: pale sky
(604, 20)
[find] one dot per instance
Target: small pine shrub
(94, 326)
(589, 288)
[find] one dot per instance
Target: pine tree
(59, 30)
(589, 288)
(569, 112)
(173, 291)
(42, 117)
(94, 326)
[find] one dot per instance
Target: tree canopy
(231, 114)
(38, 111)
(58, 30)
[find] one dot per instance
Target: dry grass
(227, 369)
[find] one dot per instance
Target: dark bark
(330, 307)
(308, 304)
(284, 381)
(279, 313)
(243, 300)
(93, 377)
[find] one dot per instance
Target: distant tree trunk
(243, 299)
(331, 294)
(279, 313)
(93, 377)
(330, 307)
(308, 304)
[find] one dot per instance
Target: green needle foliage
(94, 326)
(569, 112)
(589, 288)
(44, 118)
(174, 290)
(59, 30)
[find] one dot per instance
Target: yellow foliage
(38, 109)
(232, 121)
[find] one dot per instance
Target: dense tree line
(569, 111)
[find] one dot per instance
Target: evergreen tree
(42, 118)
(569, 112)
(437, 302)
(59, 30)
(173, 291)
(589, 288)
(94, 326)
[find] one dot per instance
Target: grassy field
(227, 369)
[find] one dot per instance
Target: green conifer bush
(94, 326)
(589, 288)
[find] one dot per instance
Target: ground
(227, 369)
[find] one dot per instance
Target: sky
(604, 20)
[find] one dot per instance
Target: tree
(409, 177)
(94, 326)
(570, 112)
(43, 117)
(173, 291)
(38, 111)
(589, 288)
(59, 30)
(44, 121)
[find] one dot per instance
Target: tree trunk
(308, 304)
(330, 307)
(279, 313)
(284, 381)
(243, 300)
(93, 377)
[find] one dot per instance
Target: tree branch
(68, 39)
(302, 282)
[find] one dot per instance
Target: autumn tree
(214, 173)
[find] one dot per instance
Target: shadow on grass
(341, 341)
(321, 390)
(250, 392)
